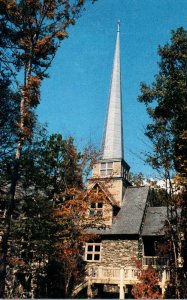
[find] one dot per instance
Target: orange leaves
(74, 207)
(51, 9)
(43, 45)
(15, 261)
(33, 82)
(33, 3)
(61, 35)
(65, 251)
(30, 98)
(31, 91)
(148, 283)
(25, 41)
(69, 257)
(8, 4)
(71, 215)
(137, 263)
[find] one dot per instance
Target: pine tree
(31, 32)
(167, 107)
(48, 224)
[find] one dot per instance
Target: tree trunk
(10, 209)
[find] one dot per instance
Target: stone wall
(113, 183)
(117, 169)
(117, 253)
(107, 214)
(115, 188)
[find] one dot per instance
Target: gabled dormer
(102, 205)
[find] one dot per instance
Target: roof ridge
(137, 187)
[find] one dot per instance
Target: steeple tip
(118, 26)
(113, 136)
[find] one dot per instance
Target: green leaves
(166, 100)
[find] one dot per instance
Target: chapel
(132, 225)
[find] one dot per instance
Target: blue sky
(74, 99)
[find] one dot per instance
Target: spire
(113, 136)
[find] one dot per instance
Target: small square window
(103, 166)
(109, 172)
(89, 257)
(110, 165)
(93, 205)
(100, 205)
(96, 256)
(93, 252)
(96, 209)
(97, 248)
(90, 248)
(106, 169)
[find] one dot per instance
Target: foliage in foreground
(148, 286)
(166, 105)
(30, 34)
(45, 257)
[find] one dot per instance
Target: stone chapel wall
(117, 253)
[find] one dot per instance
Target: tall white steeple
(112, 164)
(113, 136)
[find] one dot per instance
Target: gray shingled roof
(154, 221)
(129, 218)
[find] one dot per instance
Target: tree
(62, 164)
(49, 166)
(31, 32)
(30, 224)
(8, 133)
(66, 267)
(31, 244)
(148, 285)
(168, 96)
(137, 179)
(166, 105)
(158, 196)
(48, 225)
(52, 164)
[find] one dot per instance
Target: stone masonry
(117, 253)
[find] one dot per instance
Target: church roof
(130, 216)
(154, 221)
(113, 136)
(135, 217)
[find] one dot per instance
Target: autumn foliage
(148, 286)
(30, 34)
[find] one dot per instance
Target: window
(149, 246)
(125, 174)
(96, 209)
(93, 252)
(106, 168)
